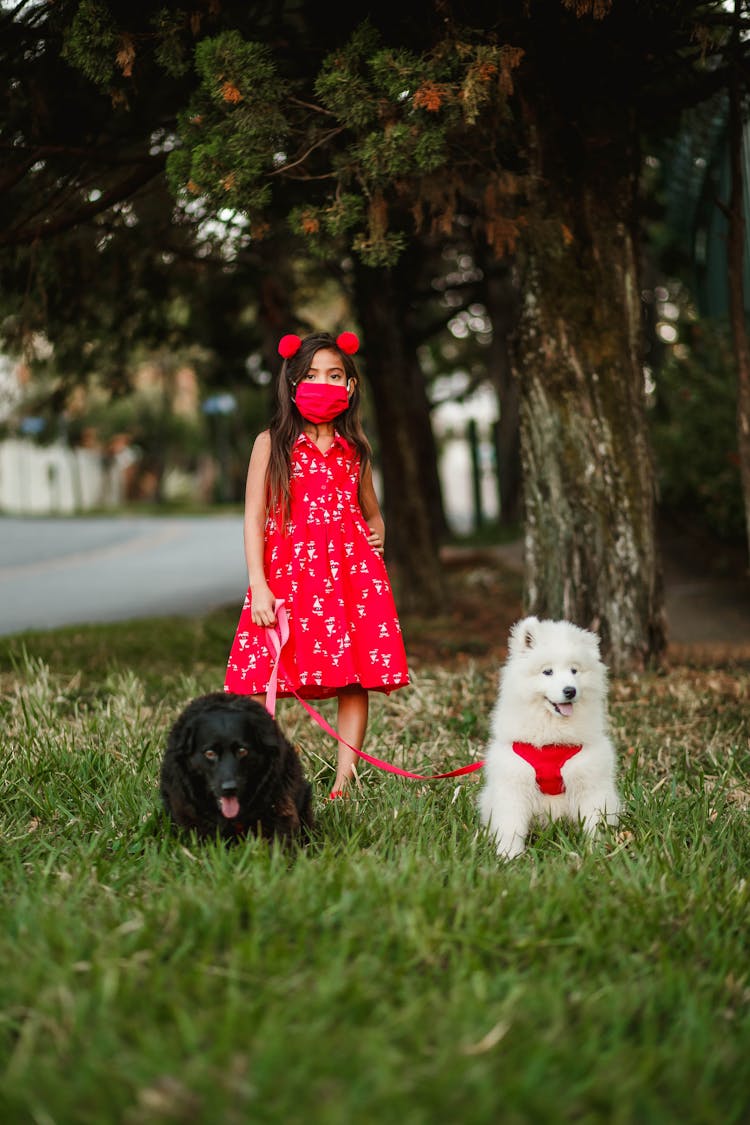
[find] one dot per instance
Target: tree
(592, 88)
(110, 266)
(704, 241)
(98, 265)
(533, 126)
(736, 251)
(93, 253)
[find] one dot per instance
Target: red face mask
(320, 402)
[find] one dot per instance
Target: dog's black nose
(569, 693)
(229, 787)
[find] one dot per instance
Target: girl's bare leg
(352, 724)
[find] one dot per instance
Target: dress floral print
(343, 625)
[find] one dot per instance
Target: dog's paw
(597, 818)
(510, 851)
(508, 845)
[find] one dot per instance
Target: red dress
(343, 625)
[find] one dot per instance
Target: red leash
(276, 636)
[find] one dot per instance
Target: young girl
(314, 537)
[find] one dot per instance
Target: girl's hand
(375, 539)
(263, 606)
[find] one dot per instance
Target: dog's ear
(181, 737)
(593, 642)
(523, 635)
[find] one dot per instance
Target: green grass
(393, 971)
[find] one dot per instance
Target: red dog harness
(547, 761)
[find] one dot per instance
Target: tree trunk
(408, 469)
(502, 300)
(735, 256)
(589, 493)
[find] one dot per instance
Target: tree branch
(123, 190)
(303, 158)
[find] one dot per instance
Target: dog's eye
(211, 755)
(546, 671)
(242, 752)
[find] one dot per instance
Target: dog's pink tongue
(230, 807)
(565, 708)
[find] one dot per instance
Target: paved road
(67, 571)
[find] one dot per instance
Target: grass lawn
(393, 971)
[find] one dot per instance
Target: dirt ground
(707, 600)
(484, 599)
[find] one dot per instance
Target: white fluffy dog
(549, 754)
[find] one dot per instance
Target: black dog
(229, 771)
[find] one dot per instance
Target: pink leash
(276, 637)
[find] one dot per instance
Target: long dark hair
(287, 423)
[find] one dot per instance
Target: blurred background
(182, 187)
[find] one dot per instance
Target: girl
(314, 537)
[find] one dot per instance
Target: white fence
(56, 480)
(49, 479)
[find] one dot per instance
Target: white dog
(549, 754)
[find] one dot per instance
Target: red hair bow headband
(348, 342)
(291, 344)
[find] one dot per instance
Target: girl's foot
(340, 788)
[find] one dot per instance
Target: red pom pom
(348, 343)
(289, 346)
